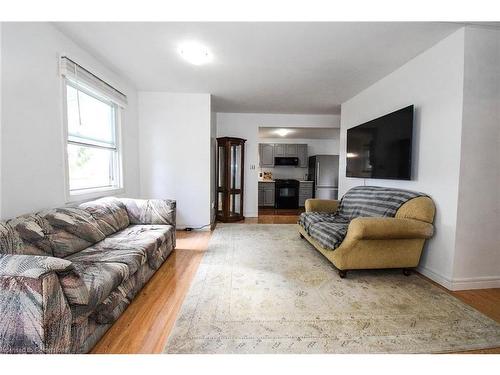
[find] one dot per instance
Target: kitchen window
(93, 152)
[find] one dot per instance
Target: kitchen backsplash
(295, 173)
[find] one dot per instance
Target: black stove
(287, 193)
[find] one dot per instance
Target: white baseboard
(481, 282)
(251, 214)
(485, 282)
(434, 276)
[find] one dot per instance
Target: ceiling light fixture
(195, 53)
(283, 132)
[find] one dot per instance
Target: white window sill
(87, 194)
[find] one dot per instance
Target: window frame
(95, 192)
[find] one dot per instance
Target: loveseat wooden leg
(342, 274)
(407, 271)
(301, 235)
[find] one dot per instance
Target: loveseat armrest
(151, 211)
(35, 315)
(321, 205)
(384, 228)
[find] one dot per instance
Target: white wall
(246, 125)
(213, 148)
(32, 127)
(433, 82)
(477, 258)
(314, 147)
(175, 152)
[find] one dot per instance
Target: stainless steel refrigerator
(324, 171)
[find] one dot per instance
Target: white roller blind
(79, 74)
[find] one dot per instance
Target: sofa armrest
(383, 228)
(151, 211)
(35, 315)
(32, 266)
(321, 205)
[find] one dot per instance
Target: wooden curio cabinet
(230, 158)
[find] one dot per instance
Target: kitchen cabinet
(269, 197)
(268, 151)
(302, 155)
(266, 194)
(266, 155)
(305, 192)
(279, 149)
(291, 150)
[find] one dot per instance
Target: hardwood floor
(275, 216)
(145, 326)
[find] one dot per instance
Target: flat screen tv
(381, 148)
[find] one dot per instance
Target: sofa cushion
(101, 279)
(374, 201)
(150, 211)
(25, 235)
(307, 219)
(329, 235)
(145, 237)
(104, 252)
(74, 288)
(156, 241)
(110, 214)
(112, 307)
(72, 230)
(102, 268)
(115, 260)
(58, 232)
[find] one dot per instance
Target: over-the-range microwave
(286, 161)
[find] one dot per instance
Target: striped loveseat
(66, 274)
(371, 227)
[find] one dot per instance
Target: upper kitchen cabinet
(268, 151)
(266, 155)
(302, 155)
(279, 149)
(291, 150)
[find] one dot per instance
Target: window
(93, 149)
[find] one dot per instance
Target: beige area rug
(261, 289)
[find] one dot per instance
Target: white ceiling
(260, 67)
(300, 133)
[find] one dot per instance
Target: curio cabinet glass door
(229, 177)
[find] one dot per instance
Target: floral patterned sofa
(67, 274)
